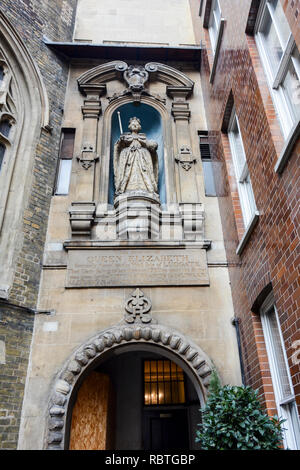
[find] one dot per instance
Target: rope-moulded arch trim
(84, 357)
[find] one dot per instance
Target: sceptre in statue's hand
(120, 123)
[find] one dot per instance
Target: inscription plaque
(142, 267)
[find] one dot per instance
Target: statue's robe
(135, 164)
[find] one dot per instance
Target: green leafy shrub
(233, 419)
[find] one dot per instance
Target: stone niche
(140, 186)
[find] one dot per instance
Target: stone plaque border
(145, 266)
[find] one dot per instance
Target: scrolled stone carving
(138, 307)
(151, 67)
(121, 66)
(136, 77)
(185, 158)
(87, 156)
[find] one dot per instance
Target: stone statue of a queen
(135, 161)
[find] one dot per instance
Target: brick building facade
(262, 246)
(269, 261)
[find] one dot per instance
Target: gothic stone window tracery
(8, 111)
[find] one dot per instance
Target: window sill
(287, 149)
(217, 51)
(247, 233)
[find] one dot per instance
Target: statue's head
(134, 124)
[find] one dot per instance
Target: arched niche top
(168, 75)
(194, 361)
(9, 36)
(115, 70)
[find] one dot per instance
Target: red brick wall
(271, 253)
(292, 11)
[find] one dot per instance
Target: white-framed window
(280, 373)
(245, 191)
(214, 23)
(281, 61)
(65, 161)
(207, 164)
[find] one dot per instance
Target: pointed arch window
(2, 152)
(24, 110)
(5, 126)
(9, 111)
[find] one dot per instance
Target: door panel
(165, 430)
(91, 427)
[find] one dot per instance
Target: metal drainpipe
(235, 321)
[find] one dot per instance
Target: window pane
(246, 195)
(250, 200)
(163, 383)
(154, 395)
(5, 127)
(161, 393)
(280, 364)
(1, 73)
(147, 394)
(210, 189)
(67, 144)
(215, 18)
(291, 86)
(281, 22)
(64, 175)
(2, 151)
(239, 149)
(272, 43)
(217, 12)
(213, 34)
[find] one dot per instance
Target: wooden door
(92, 418)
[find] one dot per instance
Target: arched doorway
(137, 399)
(121, 338)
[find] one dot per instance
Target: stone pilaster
(188, 192)
(91, 110)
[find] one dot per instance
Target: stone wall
(134, 22)
(15, 337)
(32, 20)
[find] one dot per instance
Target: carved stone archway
(24, 104)
(87, 356)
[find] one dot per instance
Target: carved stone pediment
(136, 77)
